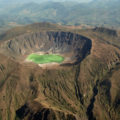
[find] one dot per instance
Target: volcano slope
(85, 86)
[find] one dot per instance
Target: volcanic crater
(73, 47)
(83, 85)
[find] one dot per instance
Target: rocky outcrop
(107, 31)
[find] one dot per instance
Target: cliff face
(75, 45)
(87, 90)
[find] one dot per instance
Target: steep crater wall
(68, 44)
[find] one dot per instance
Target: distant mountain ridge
(40, 1)
(96, 13)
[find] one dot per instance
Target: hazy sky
(14, 1)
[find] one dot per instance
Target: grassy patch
(47, 58)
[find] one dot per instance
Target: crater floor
(45, 58)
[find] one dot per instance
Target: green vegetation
(47, 58)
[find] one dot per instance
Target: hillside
(84, 90)
(95, 13)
